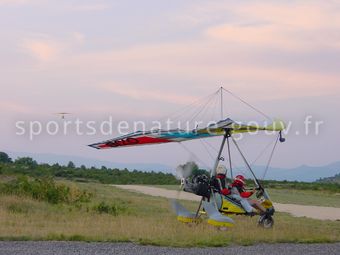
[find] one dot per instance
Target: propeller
(184, 171)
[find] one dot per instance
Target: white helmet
(221, 169)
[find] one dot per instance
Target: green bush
(45, 189)
(112, 209)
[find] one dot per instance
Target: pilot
(221, 178)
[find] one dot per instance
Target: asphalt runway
(83, 248)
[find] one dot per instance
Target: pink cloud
(196, 60)
(286, 25)
(299, 15)
(42, 49)
(8, 107)
(266, 35)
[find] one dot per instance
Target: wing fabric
(156, 137)
(177, 135)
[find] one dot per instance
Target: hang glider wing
(151, 137)
(178, 135)
(237, 127)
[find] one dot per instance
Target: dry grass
(148, 220)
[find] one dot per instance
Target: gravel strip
(83, 248)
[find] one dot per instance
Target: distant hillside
(302, 173)
(334, 179)
(29, 167)
(90, 162)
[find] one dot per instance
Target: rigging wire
(180, 112)
(187, 111)
(221, 91)
(183, 118)
(246, 162)
(262, 152)
(205, 147)
(249, 105)
(209, 113)
(201, 114)
(208, 104)
(213, 148)
(270, 157)
(215, 110)
(202, 108)
(190, 152)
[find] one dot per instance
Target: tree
(197, 171)
(71, 165)
(26, 161)
(4, 158)
(56, 166)
(186, 170)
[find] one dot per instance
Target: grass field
(285, 196)
(305, 197)
(143, 219)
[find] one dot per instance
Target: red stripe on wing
(132, 141)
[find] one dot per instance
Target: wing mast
(213, 171)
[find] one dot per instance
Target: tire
(266, 221)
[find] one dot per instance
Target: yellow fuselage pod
(184, 219)
(230, 207)
(267, 204)
(220, 223)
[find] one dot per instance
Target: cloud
(205, 64)
(90, 7)
(147, 94)
(8, 107)
(266, 35)
(42, 49)
(45, 48)
(18, 2)
(78, 37)
(294, 15)
(13, 2)
(293, 25)
(254, 54)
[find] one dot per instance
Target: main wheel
(266, 221)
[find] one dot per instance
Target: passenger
(239, 192)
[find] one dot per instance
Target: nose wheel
(266, 221)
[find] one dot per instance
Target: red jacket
(246, 194)
(240, 188)
(226, 190)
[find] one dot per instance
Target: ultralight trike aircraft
(213, 205)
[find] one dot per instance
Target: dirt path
(315, 212)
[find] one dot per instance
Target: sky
(142, 60)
